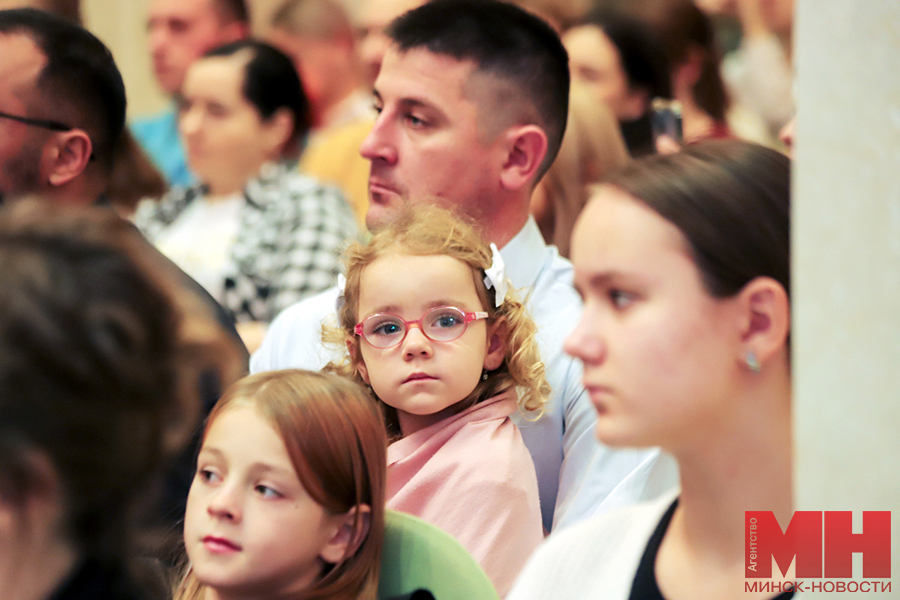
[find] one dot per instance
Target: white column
(846, 262)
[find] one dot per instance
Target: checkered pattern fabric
(292, 232)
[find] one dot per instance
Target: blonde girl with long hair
(450, 353)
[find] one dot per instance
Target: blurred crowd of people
(517, 269)
(726, 63)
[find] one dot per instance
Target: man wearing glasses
(59, 117)
(62, 109)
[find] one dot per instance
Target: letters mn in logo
(804, 540)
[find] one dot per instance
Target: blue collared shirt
(159, 137)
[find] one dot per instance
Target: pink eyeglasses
(441, 324)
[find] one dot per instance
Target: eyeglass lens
(442, 324)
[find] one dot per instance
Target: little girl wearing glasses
(429, 324)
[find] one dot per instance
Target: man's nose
(157, 39)
(379, 144)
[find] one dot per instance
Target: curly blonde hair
(425, 230)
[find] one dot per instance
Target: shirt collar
(524, 255)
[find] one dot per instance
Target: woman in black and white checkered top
(256, 233)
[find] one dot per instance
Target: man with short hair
(180, 32)
(472, 99)
(62, 109)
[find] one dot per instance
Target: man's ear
(347, 539)
(67, 156)
(526, 147)
(496, 344)
(356, 359)
(765, 319)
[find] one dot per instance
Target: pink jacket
(472, 476)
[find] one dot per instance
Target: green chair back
(419, 555)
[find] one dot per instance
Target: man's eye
(415, 121)
(178, 26)
(216, 110)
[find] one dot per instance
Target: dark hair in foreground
(505, 42)
(80, 81)
(731, 201)
(99, 362)
(336, 440)
(271, 83)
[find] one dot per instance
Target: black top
(645, 586)
(416, 595)
(93, 581)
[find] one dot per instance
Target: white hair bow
(495, 276)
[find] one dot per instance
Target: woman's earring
(484, 375)
(753, 362)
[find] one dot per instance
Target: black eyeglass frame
(43, 123)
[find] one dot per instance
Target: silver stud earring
(484, 375)
(753, 362)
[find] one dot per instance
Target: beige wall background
(846, 263)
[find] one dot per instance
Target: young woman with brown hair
(683, 264)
